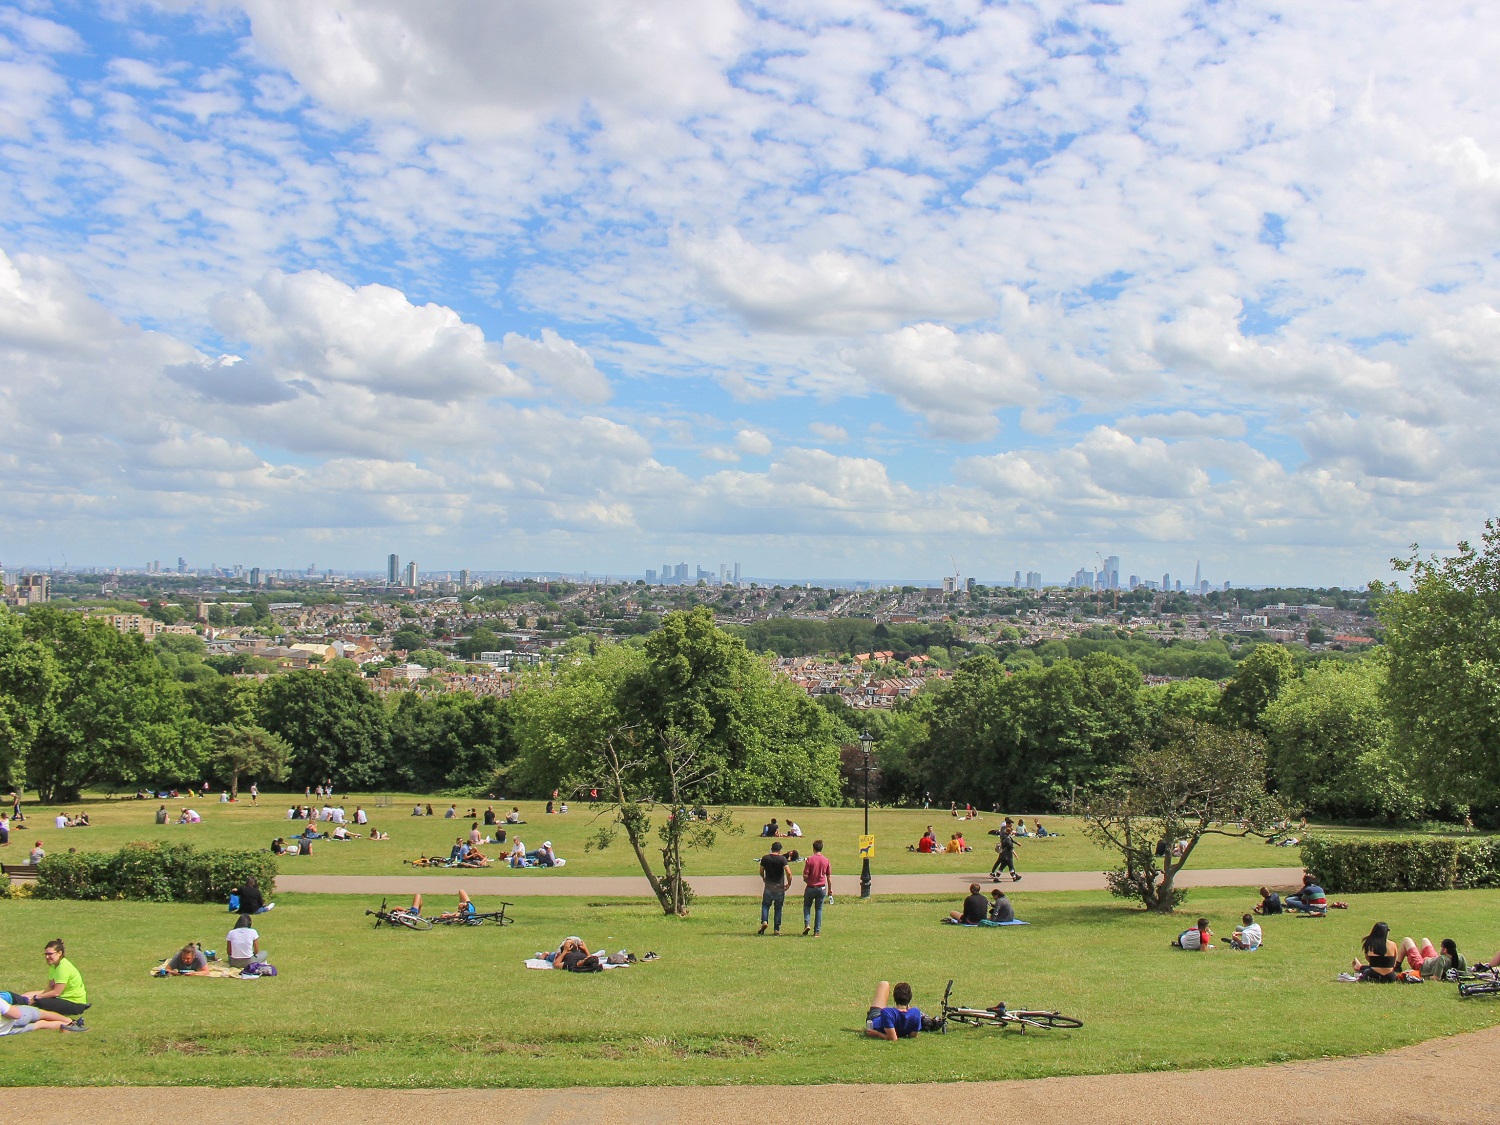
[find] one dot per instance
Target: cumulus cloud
(828, 431)
(752, 442)
(1181, 423)
(560, 363)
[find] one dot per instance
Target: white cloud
(1180, 424)
(828, 431)
(752, 442)
(561, 363)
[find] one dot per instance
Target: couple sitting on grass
(1383, 958)
(977, 911)
(1247, 936)
(58, 1007)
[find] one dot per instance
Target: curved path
(725, 886)
(1440, 1082)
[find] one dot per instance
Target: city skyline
(847, 291)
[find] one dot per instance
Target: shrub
(154, 873)
(1369, 866)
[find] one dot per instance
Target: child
(1248, 935)
(1199, 939)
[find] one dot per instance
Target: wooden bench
(20, 872)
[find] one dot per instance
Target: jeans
(1297, 905)
(812, 898)
(772, 896)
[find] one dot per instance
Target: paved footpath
(729, 886)
(1440, 1082)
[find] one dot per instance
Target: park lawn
(118, 822)
(454, 1007)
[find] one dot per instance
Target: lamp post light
(866, 741)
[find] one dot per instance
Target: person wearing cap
(544, 855)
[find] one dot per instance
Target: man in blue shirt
(891, 1023)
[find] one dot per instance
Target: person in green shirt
(65, 993)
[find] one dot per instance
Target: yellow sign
(867, 847)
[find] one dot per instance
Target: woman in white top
(517, 857)
(244, 944)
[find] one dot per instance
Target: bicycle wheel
(1478, 988)
(1046, 1019)
(414, 921)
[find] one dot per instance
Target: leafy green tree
(218, 616)
(1199, 781)
(562, 715)
(1330, 752)
(482, 639)
(335, 724)
(1195, 699)
(1256, 684)
(108, 712)
(28, 678)
(449, 740)
(1442, 691)
(249, 750)
(409, 639)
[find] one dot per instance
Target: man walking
(776, 877)
(1005, 853)
(817, 875)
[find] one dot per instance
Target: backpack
(234, 904)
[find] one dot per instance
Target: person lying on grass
(17, 1018)
(901, 1021)
(974, 910)
(1198, 939)
(1432, 964)
(574, 956)
(1381, 956)
(187, 962)
(465, 908)
(342, 833)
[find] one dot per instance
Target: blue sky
(827, 288)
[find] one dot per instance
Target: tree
(250, 750)
(1329, 739)
(1201, 780)
(28, 676)
(633, 776)
(1443, 685)
(1256, 683)
(335, 724)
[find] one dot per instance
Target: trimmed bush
(154, 873)
(1371, 866)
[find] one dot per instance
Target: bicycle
(1002, 1016)
(1475, 983)
(399, 917)
(478, 918)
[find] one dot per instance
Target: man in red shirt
(817, 875)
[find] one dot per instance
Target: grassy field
(455, 1007)
(118, 822)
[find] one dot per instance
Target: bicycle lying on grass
(1476, 982)
(1001, 1016)
(477, 918)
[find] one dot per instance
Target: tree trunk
(234, 784)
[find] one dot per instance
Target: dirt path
(1442, 1082)
(720, 886)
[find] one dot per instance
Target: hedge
(154, 873)
(1369, 866)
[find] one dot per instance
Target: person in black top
(974, 911)
(251, 900)
(489, 815)
(1270, 902)
(776, 878)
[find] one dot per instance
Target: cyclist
(465, 909)
(902, 1021)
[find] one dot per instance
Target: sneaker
(806, 930)
(775, 933)
(1015, 878)
(761, 931)
(76, 1025)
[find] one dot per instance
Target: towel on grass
(986, 924)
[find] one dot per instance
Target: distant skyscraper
(463, 579)
(1112, 572)
(1033, 579)
(392, 569)
(1015, 583)
(1197, 577)
(1166, 582)
(411, 573)
(181, 565)
(255, 576)
(680, 572)
(736, 574)
(650, 578)
(1135, 580)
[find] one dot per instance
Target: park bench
(20, 872)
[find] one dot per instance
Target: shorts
(26, 1020)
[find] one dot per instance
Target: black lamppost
(866, 741)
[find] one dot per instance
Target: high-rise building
(680, 572)
(1015, 583)
(181, 565)
(1112, 572)
(650, 578)
(392, 569)
(463, 579)
(1033, 579)
(736, 574)
(255, 576)
(411, 574)
(1135, 580)
(1166, 581)
(1197, 577)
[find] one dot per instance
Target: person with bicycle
(464, 910)
(901, 1021)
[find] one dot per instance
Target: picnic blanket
(543, 963)
(986, 924)
(215, 969)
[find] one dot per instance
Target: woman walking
(1005, 853)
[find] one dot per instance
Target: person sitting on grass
(311, 833)
(901, 1021)
(1247, 935)
(187, 962)
(243, 943)
(514, 816)
(544, 856)
(1381, 956)
(38, 853)
(376, 834)
(162, 816)
(953, 847)
(251, 900)
(342, 833)
(1270, 902)
(474, 858)
(1432, 964)
(415, 909)
(16, 1018)
(1310, 899)
(1198, 939)
(489, 815)
(517, 856)
(65, 993)
(974, 911)
(928, 842)
(1001, 909)
(81, 820)
(416, 810)
(476, 837)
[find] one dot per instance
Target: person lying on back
(901, 1021)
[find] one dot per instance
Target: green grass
(454, 1007)
(118, 822)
